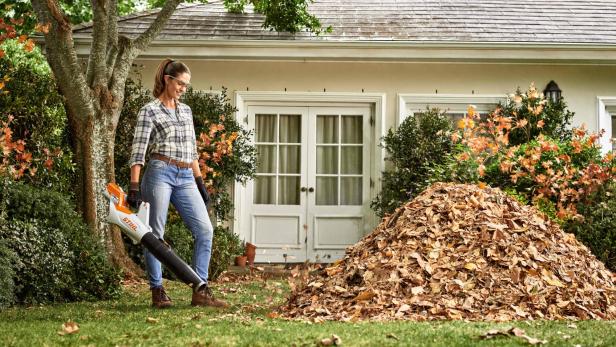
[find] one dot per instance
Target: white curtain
(278, 140)
(339, 155)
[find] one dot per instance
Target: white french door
(311, 192)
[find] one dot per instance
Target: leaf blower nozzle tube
(136, 226)
(175, 264)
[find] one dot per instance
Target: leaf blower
(137, 227)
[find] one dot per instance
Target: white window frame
(455, 102)
(606, 106)
(243, 99)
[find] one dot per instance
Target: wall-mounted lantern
(552, 92)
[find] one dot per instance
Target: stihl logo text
(129, 223)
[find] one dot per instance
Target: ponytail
(167, 67)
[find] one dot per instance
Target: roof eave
(386, 51)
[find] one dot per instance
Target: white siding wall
(581, 84)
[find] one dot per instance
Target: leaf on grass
(151, 320)
(513, 332)
(334, 340)
(69, 328)
(392, 336)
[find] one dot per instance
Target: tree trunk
(94, 148)
(94, 100)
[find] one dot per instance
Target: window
(607, 122)
(453, 105)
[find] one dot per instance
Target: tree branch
(129, 50)
(63, 59)
(97, 68)
(112, 38)
(143, 41)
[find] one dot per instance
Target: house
(320, 104)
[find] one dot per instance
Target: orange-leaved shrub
(15, 160)
(555, 172)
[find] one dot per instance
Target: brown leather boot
(160, 299)
(204, 297)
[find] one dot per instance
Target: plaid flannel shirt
(163, 131)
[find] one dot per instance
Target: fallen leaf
(340, 289)
(365, 295)
(392, 336)
(326, 342)
(470, 266)
(69, 328)
(334, 340)
(151, 320)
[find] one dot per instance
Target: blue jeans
(163, 183)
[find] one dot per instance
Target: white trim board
(382, 51)
(606, 107)
(243, 99)
(422, 100)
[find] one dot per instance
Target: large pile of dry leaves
(460, 252)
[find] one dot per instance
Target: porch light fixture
(552, 92)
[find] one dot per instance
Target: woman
(165, 130)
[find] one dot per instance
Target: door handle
(310, 190)
(303, 189)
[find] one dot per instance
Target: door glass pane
(265, 190)
(290, 128)
(352, 129)
(351, 160)
(266, 158)
(288, 190)
(350, 191)
(327, 129)
(290, 159)
(327, 191)
(265, 128)
(327, 159)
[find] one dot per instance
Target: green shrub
(225, 248)
(8, 259)
(419, 145)
(59, 259)
(43, 268)
(31, 96)
(597, 229)
(180, 239)
(530, 107)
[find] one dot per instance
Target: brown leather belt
(166, 159)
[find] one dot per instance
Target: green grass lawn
(130, 321)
